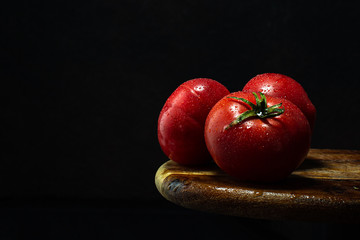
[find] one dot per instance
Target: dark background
(83, 83)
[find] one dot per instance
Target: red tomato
(279, 85)
(182, 120)
(260, 147)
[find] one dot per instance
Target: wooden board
(325, 187)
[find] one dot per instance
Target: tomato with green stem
(255, 137)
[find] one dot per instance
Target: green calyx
(260, 109)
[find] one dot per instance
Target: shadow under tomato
(291, 183)
(311, 164)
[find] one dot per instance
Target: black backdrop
(83, 82)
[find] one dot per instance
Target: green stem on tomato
(260, 109)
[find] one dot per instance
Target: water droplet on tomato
(267, 89)
(199, 88)
(248, 124)
(234, 108)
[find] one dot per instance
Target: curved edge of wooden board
(310, 193)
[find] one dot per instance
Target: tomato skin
(182, 120)
(282, 86)
(257, 149)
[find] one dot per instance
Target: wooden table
(326, 187)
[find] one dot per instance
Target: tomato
(182, 120)
(282, 86)
(257, 139)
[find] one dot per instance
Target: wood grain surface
(326, 187)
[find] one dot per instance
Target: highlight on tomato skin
(257, 149)
(182, 120)
(282, 86)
